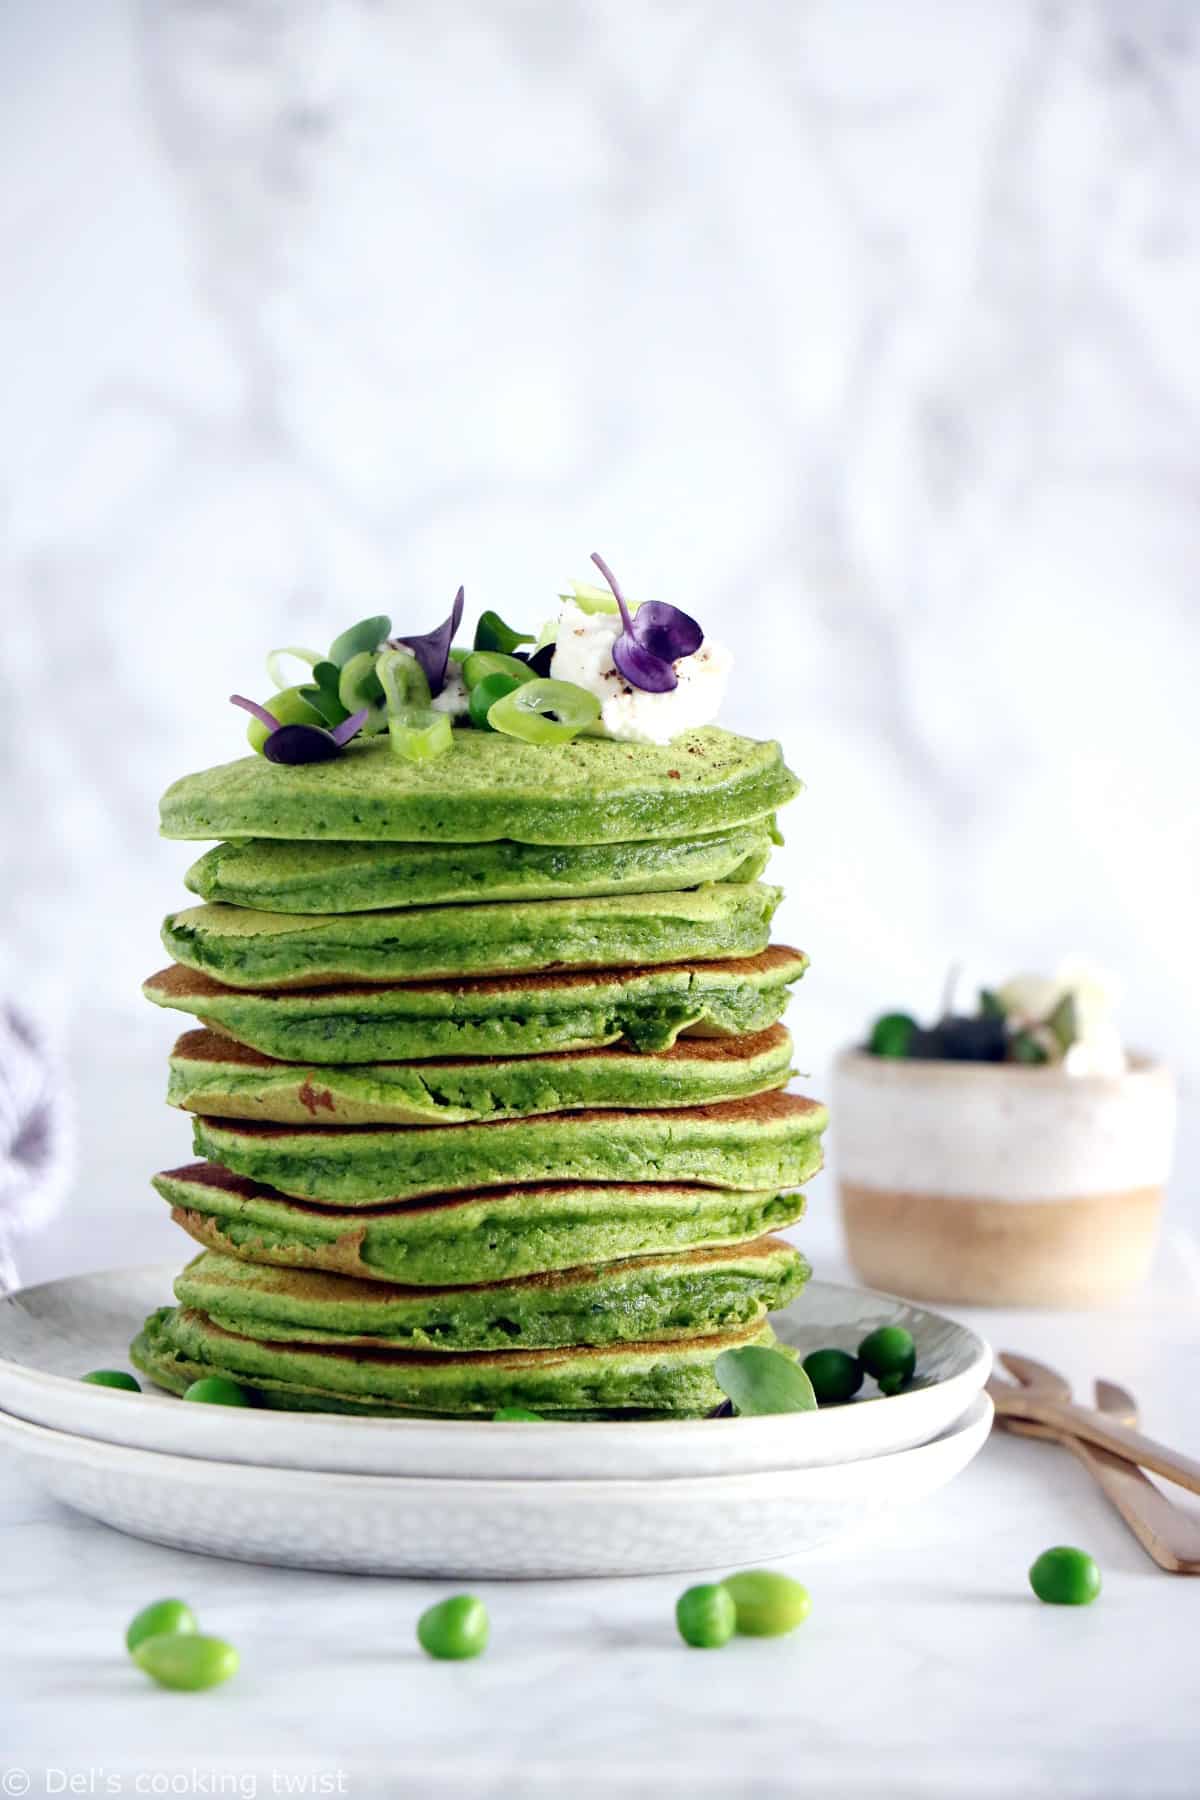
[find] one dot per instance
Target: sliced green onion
(484, 696)
(591, 599)
(482, 663)
(418, 733)
(545, 712)
(288, 707)
(359, 686)
(403, 680)
(368, 634)
(275, 671)
(492, 633)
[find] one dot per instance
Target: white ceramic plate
(400, 1525)
(51, 1335)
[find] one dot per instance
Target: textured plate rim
(45, 1443)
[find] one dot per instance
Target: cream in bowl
(1030, 1175)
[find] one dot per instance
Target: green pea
(454, 1628)
(160, 1619)
(517, 1412)
(893, 1383)
(888, 1351)
(706, 1616)
(217, 1390)
(892, 1035)
(1065, 1577)
(186, 1661)
(115, 1378)
(768, 1604)
(836, 1376)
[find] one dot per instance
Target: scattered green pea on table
(454, 1629)
(1064, 1576)
(768, 1604)
(706, 1616)
(753, 1603)
(187, 1661)
(166, 1643)
(160, 1619)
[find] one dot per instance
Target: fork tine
(1035, 1374)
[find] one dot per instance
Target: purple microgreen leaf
(260, 712)
(652, 640)
(301, 744)
(341, 734)
(641, 668)
(432, 650)
(666, 631)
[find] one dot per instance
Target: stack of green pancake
(489, 1077)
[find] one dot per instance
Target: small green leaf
(1026, 1049)
(492, 633)
(323, 697)
(368, 634)
(761, 1380)
(1064, 1022)
(989, 1005)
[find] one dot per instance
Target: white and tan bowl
(999, 1184)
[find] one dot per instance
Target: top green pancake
(488, 786)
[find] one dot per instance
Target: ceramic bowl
(400, 1525)
(51, 1335)
(999, 1184)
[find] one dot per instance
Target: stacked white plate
(477, 1499)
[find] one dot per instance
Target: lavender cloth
(34, 1136)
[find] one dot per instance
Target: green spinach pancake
(214, 1075)
(769, 1141)
(516, 1015)
(301, 877)
(465, 1239)
(178, 1345)
(687, 1293)
(243, 948)
(489, 786)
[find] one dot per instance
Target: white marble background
(866, 332)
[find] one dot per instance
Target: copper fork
(1165, 1531)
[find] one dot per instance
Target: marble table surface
(925, 1669)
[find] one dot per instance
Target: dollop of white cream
(1028, 1000)
(454, 698)
(583, 654)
